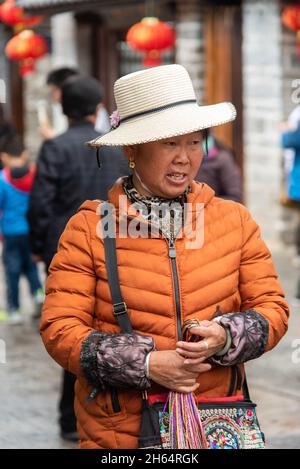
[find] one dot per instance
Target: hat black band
(161, 108)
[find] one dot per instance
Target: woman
(220, 273)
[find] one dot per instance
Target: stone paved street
(30, 381)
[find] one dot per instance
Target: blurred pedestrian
(220, 171)
(290, 139)
(289, 156)
(55, 81)
(67, 175)
(2, 126)
(16, 181)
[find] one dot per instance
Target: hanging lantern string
(149, 8)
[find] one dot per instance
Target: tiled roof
(65, 5)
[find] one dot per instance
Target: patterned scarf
(166, 214)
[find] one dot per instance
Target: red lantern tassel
(26, 66)
(152, 59)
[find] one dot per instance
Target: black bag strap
(245, 386)
(232, 381)
(111, 264)
(236, 382)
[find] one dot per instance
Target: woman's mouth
(177, 178)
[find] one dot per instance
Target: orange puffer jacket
(233, 269)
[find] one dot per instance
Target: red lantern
(26, 45)
(291, 19)
(151, 36)
(14, 16)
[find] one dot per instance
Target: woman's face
(166, 167)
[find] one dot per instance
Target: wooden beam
(223, 69)
(16, 98)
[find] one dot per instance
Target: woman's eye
(196, 142)
(171, 144)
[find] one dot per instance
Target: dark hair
(10, 142)
(80, 96)
(60, 75)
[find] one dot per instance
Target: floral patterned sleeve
(249, 332)
(116, 360)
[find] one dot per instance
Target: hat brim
(178, 120)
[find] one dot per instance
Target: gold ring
(188, 324)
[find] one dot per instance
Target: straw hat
(158, 103)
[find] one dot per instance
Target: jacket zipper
(172, 255)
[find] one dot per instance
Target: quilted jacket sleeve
(70, 296)
(259, 287)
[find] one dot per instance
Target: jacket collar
(200, 193)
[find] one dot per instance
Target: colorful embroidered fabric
(225, 427)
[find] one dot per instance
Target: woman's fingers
(192, 349)
(194, 361)
(198, 367)
(187, 389)
(187, 382)
(205, 329)
(186, 373)
(186, 354)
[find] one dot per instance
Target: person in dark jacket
(68, 174)
(67, 170)
(220, 171)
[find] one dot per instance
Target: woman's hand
(214, 339)
(167, 368)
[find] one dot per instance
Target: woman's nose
(182, 155)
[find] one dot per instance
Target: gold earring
(131, 164)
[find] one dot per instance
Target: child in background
(16, 180)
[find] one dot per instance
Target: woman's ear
(130, 151)
(126, 151)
